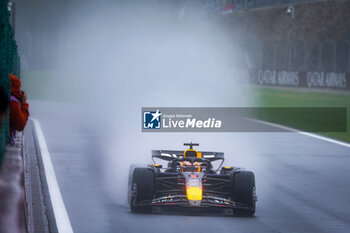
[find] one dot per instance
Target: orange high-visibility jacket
(19, 112)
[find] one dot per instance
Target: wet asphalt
(302, 182)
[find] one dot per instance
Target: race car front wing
(182, 201)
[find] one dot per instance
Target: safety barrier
(300, 63)
(304, 79)
(240, 5)
(254, 4)
(300, 54)
(9, 62)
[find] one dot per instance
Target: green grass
(271, 97)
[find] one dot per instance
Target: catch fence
(9, 62)
(322, 64)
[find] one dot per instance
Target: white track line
(60, 212)
(304, 133)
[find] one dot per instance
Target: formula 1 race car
(190, 180)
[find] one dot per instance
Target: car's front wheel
(244, 192)
(142, 189)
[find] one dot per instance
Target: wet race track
(302, 182)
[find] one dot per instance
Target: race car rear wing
(170, 155)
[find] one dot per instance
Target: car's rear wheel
(142, 189)
(244, 192)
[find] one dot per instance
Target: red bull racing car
(190, 180)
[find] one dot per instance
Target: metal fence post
(274, 53)
(305, 54)
(261, 54)
(334, 65)
(320, 52)
(348, 63)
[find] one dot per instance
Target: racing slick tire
(142, 189)
(244, 192)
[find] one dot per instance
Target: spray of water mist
(124, 57)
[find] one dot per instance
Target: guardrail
(12, 212)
